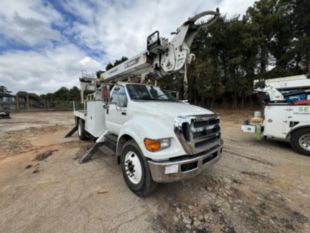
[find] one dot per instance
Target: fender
(144, 126)
(297, 127)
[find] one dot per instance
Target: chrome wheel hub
(304, 142)
(133, 167)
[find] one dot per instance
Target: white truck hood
(172, 109)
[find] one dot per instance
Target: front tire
(300, 141)
(135, 170)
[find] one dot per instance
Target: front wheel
(300, 141)
(135, 170)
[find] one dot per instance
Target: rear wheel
(135, 170)
(300, 141)
(81, 130)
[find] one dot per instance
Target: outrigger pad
(71, 132)
(87, 156)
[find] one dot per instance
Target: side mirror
(116, 88)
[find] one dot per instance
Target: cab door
(117, 111)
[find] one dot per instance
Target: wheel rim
(304, 142)
(133, 167)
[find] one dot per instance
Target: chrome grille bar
(198, 133)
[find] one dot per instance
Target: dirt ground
(256, 186)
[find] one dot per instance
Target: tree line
(62, 98)
(271, 40)
(63, 94)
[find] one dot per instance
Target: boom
(161, 56)
(292, 89)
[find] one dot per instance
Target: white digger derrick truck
(286, 112)
(156, 138)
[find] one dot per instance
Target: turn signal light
(152, 145)
(156, 144)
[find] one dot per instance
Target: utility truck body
(286, 111)
(156, 138)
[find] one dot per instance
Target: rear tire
(135, 170)
(300, 141)
(81, 130)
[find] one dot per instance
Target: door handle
(124, 113)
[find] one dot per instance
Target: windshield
(144, 92)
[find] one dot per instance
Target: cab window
(119, 97)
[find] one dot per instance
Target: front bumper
(184, 167)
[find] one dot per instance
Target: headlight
(156, 144)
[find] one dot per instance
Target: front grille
(206, 122)
(207, 141)
(205, 130)
(198, 133)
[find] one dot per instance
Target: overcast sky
(44, 45)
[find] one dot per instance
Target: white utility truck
(286, 113)
(156, 138)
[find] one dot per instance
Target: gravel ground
(256, 186)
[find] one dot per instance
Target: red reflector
(302, 102)
(105, 93)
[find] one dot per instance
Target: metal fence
(57, 105)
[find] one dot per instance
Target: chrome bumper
(170, 171)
